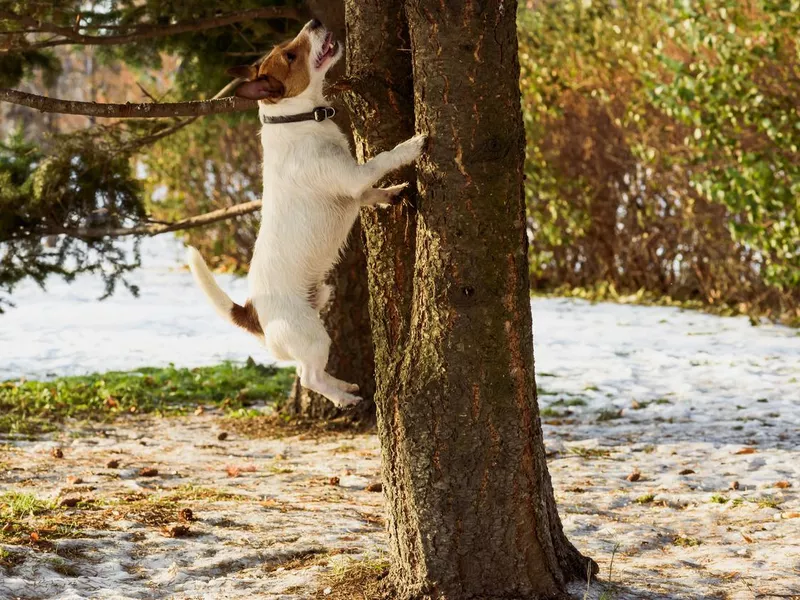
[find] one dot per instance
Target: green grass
(768, 502)
(686, 542)
(38, 406)
(16, 505)
(589, 452)
(646, 499)
(551, 413)
(608, 414)
(719, 499)
(569, 402)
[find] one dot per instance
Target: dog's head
(292, 68)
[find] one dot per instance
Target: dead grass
(356, 579)
(277, 427)
(26, 520)
(10, 559)
(299, 559)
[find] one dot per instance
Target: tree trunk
(347, 315)
(471, 507)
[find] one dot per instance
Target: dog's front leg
(375, 169)
(382, 196)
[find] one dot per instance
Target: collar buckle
(322, 113)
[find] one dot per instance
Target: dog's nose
(314, 24)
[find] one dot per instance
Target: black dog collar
(319, 114)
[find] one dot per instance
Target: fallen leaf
(69, 501)
(7, 527)
(186, 514)
(783, 485)
(74, 480)
(148, 472)
(57, 453)
(791, 515)
(635, 476)
(747, 450)
(223, 435)
(112, 464)
(734, 485)
(34, 536)
(199, 411)
(686, 472)
(111, 402)
(175, 531)
(333, 481)
(374, 487)
(236, 470)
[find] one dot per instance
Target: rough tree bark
(347, 315)
(471, 507)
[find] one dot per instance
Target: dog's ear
(265, 87)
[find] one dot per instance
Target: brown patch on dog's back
(246, 317)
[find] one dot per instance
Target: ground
(673, 441)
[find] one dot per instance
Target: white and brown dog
(313, 190)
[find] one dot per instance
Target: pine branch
(151, 110)
(69, 35)
(222, 214)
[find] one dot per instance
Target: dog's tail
(245, 316)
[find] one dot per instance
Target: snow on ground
(67, 331)
(650, 416)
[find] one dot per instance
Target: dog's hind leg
(341, 384)
(298, 333)
(317, 380)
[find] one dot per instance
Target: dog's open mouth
(327, 52)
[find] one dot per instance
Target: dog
(313, 190)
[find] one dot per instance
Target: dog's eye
(290, 56)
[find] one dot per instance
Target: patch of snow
(66, 330)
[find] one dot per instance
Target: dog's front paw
(411, 149)
(391, 194)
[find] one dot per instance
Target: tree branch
(143, 32)
(154, 229)
(150, 110)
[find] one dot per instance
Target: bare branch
(150, 110)
(69, 35)
(154, 229)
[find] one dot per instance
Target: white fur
(313, 190)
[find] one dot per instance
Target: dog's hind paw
(346, 401)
